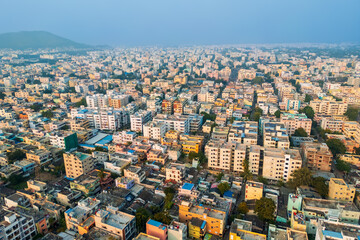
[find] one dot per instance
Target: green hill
(36, 40)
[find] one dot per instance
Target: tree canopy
(265, 209)
(336, 146)
(301, 176)
(300, 132)
(343, 166)
(223, 187)
(15, 155)
(308, 98)
(243, 208)
(277, 113)
(352, 114)
(309, 112)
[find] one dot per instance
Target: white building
(138, 119)
(16, 226)
(154, 131)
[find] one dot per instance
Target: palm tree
(101, 174)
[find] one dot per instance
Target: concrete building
(328, 107)
(336, 231)
(138, 119)
(253, 190)
(279, 164)
(175, 172)
(157, 229)
(317, 156)
(64, 140)
(16, 226)
(275, 135)
(296, 121)
(116, 222)
(77, 164)
(179, 123)
(335, 125)
(242, 230)
(154, 131)
(340, 190)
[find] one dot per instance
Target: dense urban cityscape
(214, 142)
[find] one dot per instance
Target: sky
(186, 22)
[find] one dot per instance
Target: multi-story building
(179, 123)
(118, 101)
(77, 164)
(135, 173)
(215, 219)
(296, 121)
(79, 124)
(177, 231)
(329, 107)
(157, 229)
(352, 159)
(340, 190)
(39, 156)
(138, 119)
(279, 164)
(317, 156)
(65, 140)
(97, 100)
(124, 137)
(175, 172)
(327, 229)
(154, 131)
(242, 230)
(253, 190)
(275, 135)
(197, 228)
(16, 226)
(167, 106)
(116, 222)
(351, 129)
(335, 125)
(244, 132)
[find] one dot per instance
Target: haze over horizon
(186, 22)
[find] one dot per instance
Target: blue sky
(186, 22)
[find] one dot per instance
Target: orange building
(156, 229)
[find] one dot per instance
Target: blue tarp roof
(332, 234)
(188, 186)
(156, 224)
(228, 194)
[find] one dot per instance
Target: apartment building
(178, 106)
(215, 219)
(335, 125)
(138, 119)
(329, 107)
(175, 172)
(351, 129)
(242, 230)
(167, 106)
(253, 190)
(244, 132)
(39, 156)
(340, 190)
(124, 137)
(317, 156)
(121, 224)
(231, 156)
(118, 101)
(154, 131)
(327, 229)
(179, 123)
(79, 124)
(135, 173)
(275, 135)
(279, 164)
(64, 139)
(104, 101)
(352, 159)
(296, 121)
(157, 229)
(77, 164)
(16, 226)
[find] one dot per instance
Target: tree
(300, 132)
(343, 166)
(256, 114)
(265, 209)
(207, 116)
(308, 98)
(100, 149)
(247, 175)
(263, 180)
(15, 155)
(301, 176)
(336, 146)
(319, 183)
(2, 95)
(169, 195)
(47, 114)
(309, 112)
(101, 174)
(296, 72)
(219, 176)
(36, 107)
(142, 216)
(277, 113)
(162, 217)
(352, 114)
(257, 80)
(243, 208)
(223, 187)
(81, 102)
(357, 151)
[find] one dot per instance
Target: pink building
(156, 229)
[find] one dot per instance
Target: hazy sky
(186, 22)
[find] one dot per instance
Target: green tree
(301, 176)
(101, 174)
(223, 187)
(296, 72)
(308, 98)
(352, 114)
(47, 114)
(142, 216)
(343, 166)
(277, 113)
(319, 183)
(336, 146)
(257, 80)
(36, 107)
(309, 112)
(219, 176)
(162, 217)
(82, 102)
(207, 116)
(265, 209)
(247, 175)
(300, 132)
(263, 180)
(2, 95)
(357, 151)
(243, 208)
(15, 155)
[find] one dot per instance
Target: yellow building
(197, 228)
(253, 190)
(77, 164)
(242, 230)
(297, 220)
(340, 190)
(352, 159)
(85, 226)
(215, 219)
(191, 146)
(172, 134)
